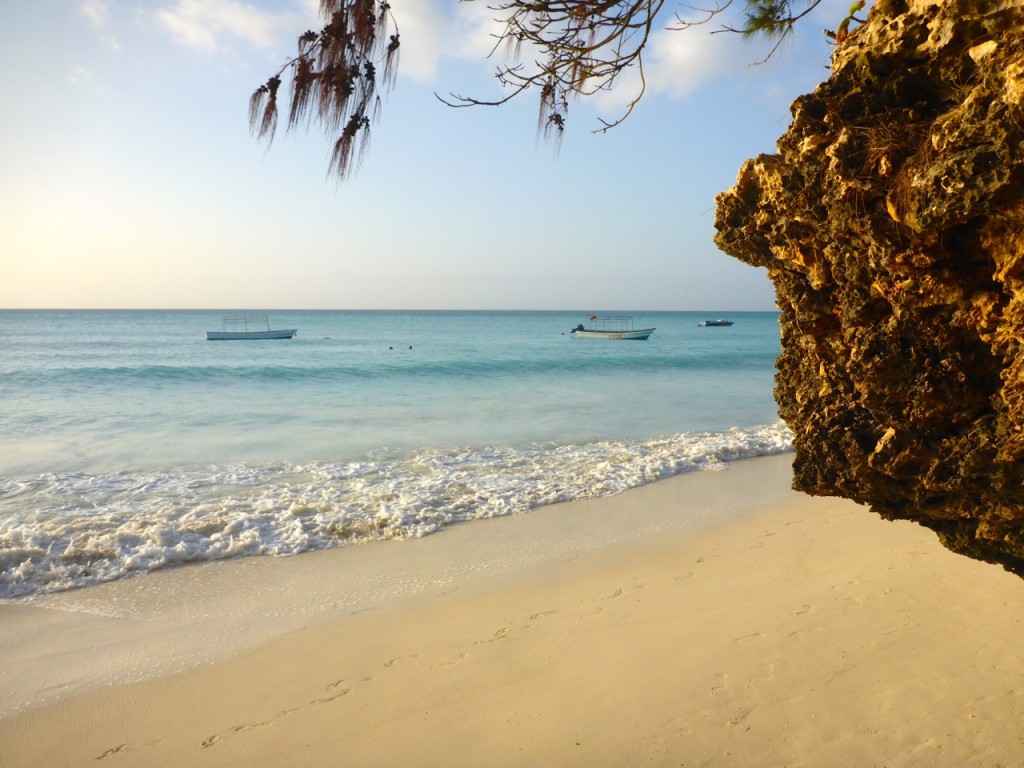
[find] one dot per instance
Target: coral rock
(891, 222)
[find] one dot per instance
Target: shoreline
(156, 634)
(770, 629)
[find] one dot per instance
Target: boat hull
(640, 334)
(240, 335)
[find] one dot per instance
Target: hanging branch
(582, 47)
(584, 44)
(334, 78)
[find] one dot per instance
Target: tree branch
(581, 47)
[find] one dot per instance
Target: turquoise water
(129, 442)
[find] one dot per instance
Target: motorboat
(237, 327)
(620, 327)
(714, 323)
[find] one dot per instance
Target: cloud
(99, 15)
(680, 62)
(683, 60)
(206, 24)
(94, 10)
(80, 76)
(432, 32)
(675, 62)
(435, 31)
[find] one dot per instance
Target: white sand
(793, 631)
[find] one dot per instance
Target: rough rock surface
(891, 222)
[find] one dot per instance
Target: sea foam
(77, 529)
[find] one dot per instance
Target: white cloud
(99, 13)
(675, 62)
(94, 10)
(435, 30)
(79, 75)
(683, 60)
(205, 24)
(432, 31)
(678, 62)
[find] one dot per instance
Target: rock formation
(891, 222)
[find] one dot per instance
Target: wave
(468, 368)
(66, 530)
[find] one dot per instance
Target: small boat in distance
(714, 323)
(611, 328)
(234, 327)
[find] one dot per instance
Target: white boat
(611, 328)
(714, 323)
(235, 327)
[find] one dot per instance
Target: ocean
(130, 443)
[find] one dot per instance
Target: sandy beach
(713, 619)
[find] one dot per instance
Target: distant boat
(235, 327)
(611, 328)
(714, 323)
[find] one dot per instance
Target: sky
(129, 177)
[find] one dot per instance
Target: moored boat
(611, 328)
(239, 327)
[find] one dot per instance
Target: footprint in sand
(113, 751)
(700, 560)
(721, 682)
(621, 591)
(332, 697)
(801, 635)
(748, 638)
(764, 673)
(741, 716)
(399, 659)
(501, 634)
(335, 690)
(451, 662)
(218, 737)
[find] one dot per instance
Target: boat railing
(245, 323)
(612, 323)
